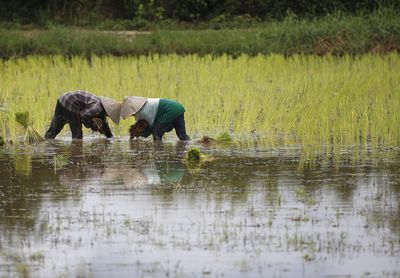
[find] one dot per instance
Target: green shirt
(168, 110)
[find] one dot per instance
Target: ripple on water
(118, 208)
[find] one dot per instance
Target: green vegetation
(22, 118)
(336, 34)
(223, 137)
(193, 155)
(86, 12)
(302, 99)
(60, 161)
(1, 141)
(31, 135)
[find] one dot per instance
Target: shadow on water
(117, 208)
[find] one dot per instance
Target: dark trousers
(61, 117)
(178, 124)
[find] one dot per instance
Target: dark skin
(137, 129)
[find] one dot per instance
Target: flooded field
(102, 208)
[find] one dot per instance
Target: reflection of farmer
(155, 116)
(80, 107)
(164, 173)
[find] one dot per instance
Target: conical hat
(112, 107)
(131, 105)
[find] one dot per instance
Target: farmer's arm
(87, 122)
(92, 111)
(107, 130)
(148, 131)
(89, 112)
(100, 124)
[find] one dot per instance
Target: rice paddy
(293, 170)
(100, 208)
(305, 100)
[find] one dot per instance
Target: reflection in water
(116, 208)
(23, 164)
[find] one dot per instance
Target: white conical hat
(112, 107)
(131, 105)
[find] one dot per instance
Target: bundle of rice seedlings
(193, 155)
(31, 135)
(224, 137)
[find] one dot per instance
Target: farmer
(154, 116)
(80, 107)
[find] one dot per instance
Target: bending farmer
(154, 116)
(80, 107)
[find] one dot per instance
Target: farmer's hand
(98, 125)
(137, 129)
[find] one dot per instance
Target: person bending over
(81, 107)
(154, 116)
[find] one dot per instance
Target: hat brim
(131, 105)
(112, 107)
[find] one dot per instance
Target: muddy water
(117, 209)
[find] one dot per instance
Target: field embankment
(336, 35)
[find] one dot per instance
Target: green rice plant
(223, 137)
(22, 118)
(193, 155)
(302, 99)
(31, 135)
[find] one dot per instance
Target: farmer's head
(137, 129)
(131, 105)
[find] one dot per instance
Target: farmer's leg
(57, 123)
(160, 129)
(74, 122)
(179, 125)
(76, 130)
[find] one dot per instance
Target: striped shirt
(84, 103)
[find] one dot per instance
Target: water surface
(102, 208)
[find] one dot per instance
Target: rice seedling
(194, 160)
(193, 155)
(31, 135)
(307, 100)
(1, 141)
(223, 137)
